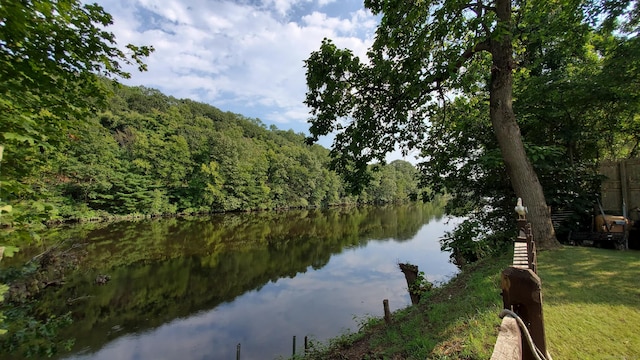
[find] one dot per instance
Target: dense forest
(152, 154)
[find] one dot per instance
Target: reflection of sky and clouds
(321, 304)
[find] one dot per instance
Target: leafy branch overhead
(427, 52)
(418, 55)
(51, 59)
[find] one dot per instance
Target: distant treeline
(151, 154)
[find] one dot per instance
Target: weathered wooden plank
(522, 293)
(611, 189)
(624, 187)
(621, 183)
(509, 343)
(520, 255)
(520, 245)
(559, 217)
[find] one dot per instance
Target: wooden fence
(620, 189)
(522, 299)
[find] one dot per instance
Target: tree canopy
(150, 154)
(439, 65)
(54, 56)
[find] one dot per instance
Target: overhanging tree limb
(420, 48)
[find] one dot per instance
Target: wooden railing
(522, 298)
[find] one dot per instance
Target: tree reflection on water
(195, 287)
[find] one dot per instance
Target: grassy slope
(591, 309)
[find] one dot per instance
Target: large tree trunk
(523, 177)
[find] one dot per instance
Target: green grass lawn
(591, 305)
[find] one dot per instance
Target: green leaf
(18, 137)
(9, 251)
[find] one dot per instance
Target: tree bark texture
(523, 177)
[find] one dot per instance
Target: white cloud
(282, 6)
(325, 2)
(321, 20)
(234, 55)
(171, 10)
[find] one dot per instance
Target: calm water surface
(195, 288)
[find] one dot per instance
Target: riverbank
(591, 309)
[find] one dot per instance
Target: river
(195, 288)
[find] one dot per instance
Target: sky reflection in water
(318, 303)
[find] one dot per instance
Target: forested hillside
(152, 154)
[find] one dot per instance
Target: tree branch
(484, 45)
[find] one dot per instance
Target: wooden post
(387, 313)
(294, 345)
(411, 275)
(306, 344)
(521, 293)
(522, 227)
(531, 250)
(624, 187)
(238, 352)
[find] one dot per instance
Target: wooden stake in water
(387, 313)
(238, 352)
(294, 345)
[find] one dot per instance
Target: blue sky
(244, 56)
